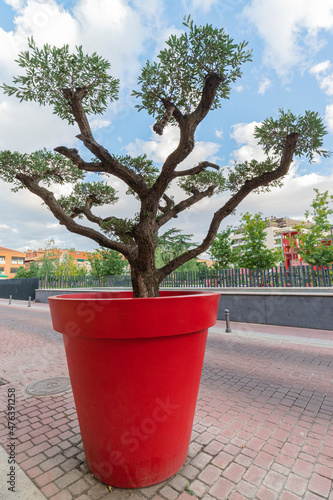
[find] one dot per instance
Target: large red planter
(135, 367)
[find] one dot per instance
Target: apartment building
(10, 261)
(80, 258)
(274, 230)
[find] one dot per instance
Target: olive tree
(191, 76)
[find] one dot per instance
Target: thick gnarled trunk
(145, 283)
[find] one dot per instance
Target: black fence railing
(301, 276)
(84, 281)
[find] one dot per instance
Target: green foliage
(202, 181)
(67, 266)
(311, 244)
(248, 170)
(87, 194)
(184, 65)
(171, 244)
(142, 166)
(222, 252)
(272, 134)
(253, 250)
(50, 70)
(106, 262)
(32, 272)
(42, 165)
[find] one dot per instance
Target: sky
(292, 68)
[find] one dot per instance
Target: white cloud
(116, 30)
(323, 76)
(282, 24)
(320, 67)
(329, 116)
(159, 147)
(219, 133)
(242, 133)
(97, 124)
(265, 84)
(239, 88)
(15, 4)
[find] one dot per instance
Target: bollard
(227, 322)
(10, 299)
(29, 302)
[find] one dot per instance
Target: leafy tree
(190, 77)
(312, 242)
(253, 252)
(67, 266)
(172, 244)
(106, 262)
(49, 261)
(32, 272)
(221, 250)
(21, 273)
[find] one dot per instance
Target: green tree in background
(312, 244)
(32, 272)
(67, 266)
(173, 243)
(106, 262)
(222, 253)
(253, 252)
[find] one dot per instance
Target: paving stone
(296, 484)
(221, 489)
(210, 474)
(320, 485)
(263, 426)
(234, 472)
(169, 493)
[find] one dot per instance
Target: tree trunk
(145, 283)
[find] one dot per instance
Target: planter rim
(118, 315)
(117, 295)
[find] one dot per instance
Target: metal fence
(84, 281)
(18, 289)
(301, 276)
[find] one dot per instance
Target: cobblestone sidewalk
(263, 426)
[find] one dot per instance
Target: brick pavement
(263, 426)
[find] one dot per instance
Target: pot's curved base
(136, 396)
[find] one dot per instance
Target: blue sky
(292, 68)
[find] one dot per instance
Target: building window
(2, 259)
(2, 269)
(13, 270)
(18, 260)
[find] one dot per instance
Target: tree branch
(110, 164)
(169, 203)
(99, 220)
(73, 155)
(64, 219)
(170, 110)
(249, 186)
(195, 170)
(159, 126)
(211, 85)
(187, 128)
(183, 205)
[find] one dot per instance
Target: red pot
(135, 367)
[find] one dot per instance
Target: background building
(10, 261)
(274, 231)
(80, 258)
